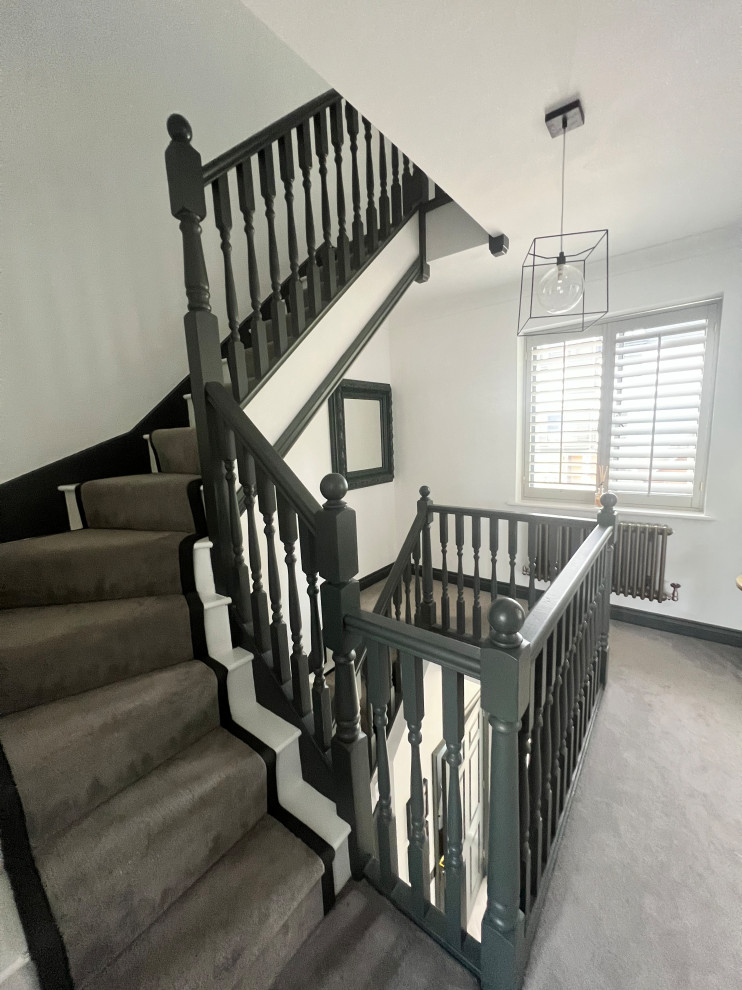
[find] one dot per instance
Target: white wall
(92, 293)
(375, 506)
(455, 376)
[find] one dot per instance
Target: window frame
(608, 329)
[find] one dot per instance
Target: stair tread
(236, 926)
(176, 449)
(112, 874)
(145, 501)
(55, 651)
(89, 565)
(366, 943)
(104, 740)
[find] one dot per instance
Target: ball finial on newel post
(506, 618)
(607, 514)
(334, 488)
(178, 128)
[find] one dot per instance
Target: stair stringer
(295, 795)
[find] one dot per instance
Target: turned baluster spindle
(566, 703)
(295, 288)
(327, 251)
(397, 601)
(416, 554)
(379, 679)
(278, 631)
(304, 151)
(372, 220)
(512, 552)
(535, 781)
(524, 755)
(235, 347)
(258, 596)
(582, 664)
(546, 740)
(321, 698)
(532, 551)
(343, 244)
(445, 601)
(556, 723)
(385, 221)
(460, 603)
(407, 581)
(288, 532)
(267, 171)
(407, 186)
(574, 725)
(494, 541)
(453, 734)
(239, 584)
(476, 543)
(417, 850)
(396, 188)
(258, 331)
(358, 248)
(427, 608)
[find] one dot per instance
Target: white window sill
(590, 512)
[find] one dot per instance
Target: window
(628, 405)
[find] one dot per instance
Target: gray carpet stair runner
(155, 858)
(147, 820)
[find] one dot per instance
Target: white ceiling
(462, 87)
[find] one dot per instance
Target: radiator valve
(674, 596)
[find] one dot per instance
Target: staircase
(185, 784)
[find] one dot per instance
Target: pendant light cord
(564, 156)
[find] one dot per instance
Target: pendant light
(562, 271)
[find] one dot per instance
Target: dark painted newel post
(188, 206)
(427, 606)
(506, 676)
(337, 558)
(606, 517)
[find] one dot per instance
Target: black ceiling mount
(555, 118)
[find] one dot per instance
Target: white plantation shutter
(634, 398)
(657, 391)
(564, 412)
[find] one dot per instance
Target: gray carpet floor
(647, 892)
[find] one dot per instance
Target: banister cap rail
(461, 657)
(229, 159)
(305, 504)
(548, 609)
(576, 521)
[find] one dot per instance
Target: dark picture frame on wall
(367, 460)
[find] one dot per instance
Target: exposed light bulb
(561, 288)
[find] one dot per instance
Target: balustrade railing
(540, 679)
(300, 274)
(485, 549)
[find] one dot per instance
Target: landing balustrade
(289, 565)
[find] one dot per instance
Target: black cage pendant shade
(564, 280)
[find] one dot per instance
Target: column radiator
(638, 559)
